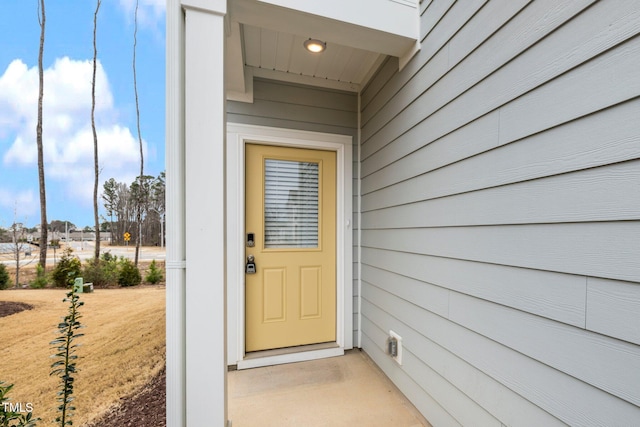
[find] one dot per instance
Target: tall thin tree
(135, 89)
(110, 198)
(43, 197)
(95, 135)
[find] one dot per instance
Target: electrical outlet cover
(398, 358)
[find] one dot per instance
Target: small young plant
(65, 364)
(41, 278)
(9, 417)
(154, 275)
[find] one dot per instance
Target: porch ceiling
(266, 41)
(282, 52)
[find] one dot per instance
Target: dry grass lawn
(123, 348)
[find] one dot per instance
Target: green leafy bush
(41, 278)
(4, 277)
(154, 275)
(66, 270)
(128, 273)
(9, 418)
(101, 273)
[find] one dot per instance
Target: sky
(67, 134)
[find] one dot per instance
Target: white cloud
(66, 106)
(67, 134)
(118, 157)
(150, 12)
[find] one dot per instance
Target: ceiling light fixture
(315, 46)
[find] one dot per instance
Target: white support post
(175, 263)
(205, 224)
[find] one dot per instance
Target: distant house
(465, 174)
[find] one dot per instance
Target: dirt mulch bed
(7, 308)
(146, 409)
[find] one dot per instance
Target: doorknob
(251, 265)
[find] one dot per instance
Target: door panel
(310, 292)
(291, 209)
(274, 295)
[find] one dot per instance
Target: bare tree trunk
(135, 88)
(16, 252)
(95, 136)
(43, 197)
(17, 269)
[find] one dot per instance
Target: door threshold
(290, 355)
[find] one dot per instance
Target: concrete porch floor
(349, 390)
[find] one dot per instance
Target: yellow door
(290, 226)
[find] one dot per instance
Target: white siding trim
(359, 214)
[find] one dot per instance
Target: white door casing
(238, 135)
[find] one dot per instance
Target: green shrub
(66, 270)
(102, 273)
(154, 275)
(41, 278)
(10, 418)
(128, 273)
(106, 256)
(4, 277)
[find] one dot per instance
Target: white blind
(291, 204)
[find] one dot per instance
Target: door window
(291, 204)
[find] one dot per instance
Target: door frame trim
(238, 135)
